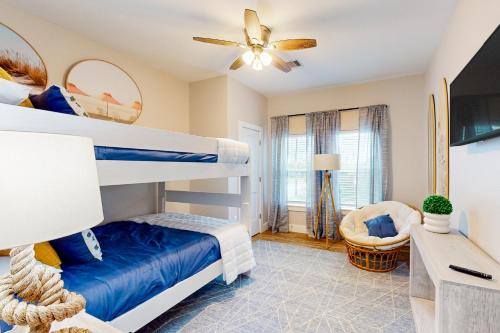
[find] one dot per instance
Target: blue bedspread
(139, 262)
(132, 154)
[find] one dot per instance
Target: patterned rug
(296, 289)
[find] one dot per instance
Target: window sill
(302, 208)
(297, 207)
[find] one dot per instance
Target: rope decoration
(44, 297)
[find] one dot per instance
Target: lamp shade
(48, 187)
(326, 162)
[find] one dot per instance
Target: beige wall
(474, 178)
(404, 97)
(208, 107)
(208, 117)
(245, 104)
(165, 98)
(217, 106)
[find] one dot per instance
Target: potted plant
(437, 210)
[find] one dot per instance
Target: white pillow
(12, 93)
(92, 243)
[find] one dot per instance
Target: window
(297, 170)
(354, 192)
(353, 178)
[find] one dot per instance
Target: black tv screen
(475, 96)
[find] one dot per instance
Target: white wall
(165, 98)
(409, 139)
(474, 168)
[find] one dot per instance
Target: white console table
(446, 301)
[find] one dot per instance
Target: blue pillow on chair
(381, 226)
(57, 99)
(78, 248)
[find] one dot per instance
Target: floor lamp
(326, 162)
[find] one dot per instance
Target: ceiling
(358, 40)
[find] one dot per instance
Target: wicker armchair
(373, 253)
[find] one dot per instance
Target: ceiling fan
(258, 46)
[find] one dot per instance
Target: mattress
(131, 154)
(139, 262)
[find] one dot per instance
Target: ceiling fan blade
(237, 63)
(247, 38)
(293, 44)
(265, 33)
(252, 25)
(217, 41)
(280, 64)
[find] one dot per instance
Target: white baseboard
(298, 228)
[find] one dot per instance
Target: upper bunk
(122, 150)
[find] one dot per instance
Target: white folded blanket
(231, 151)
(234, 240)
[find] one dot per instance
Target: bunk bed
(205, 248)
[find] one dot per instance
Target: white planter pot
(437, 223)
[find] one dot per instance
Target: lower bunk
(151, 263)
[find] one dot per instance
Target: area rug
(296, 289)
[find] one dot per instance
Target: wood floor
(300, 239)
(304, 240)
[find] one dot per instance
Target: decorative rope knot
(44, 298)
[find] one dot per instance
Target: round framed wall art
(105, 91)
(21, 61)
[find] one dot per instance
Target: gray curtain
(321, 131)
(278, 214)
(374, 169)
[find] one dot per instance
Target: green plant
(437, 204)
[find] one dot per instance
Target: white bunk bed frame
(105, 133)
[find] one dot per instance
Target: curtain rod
(303, 114)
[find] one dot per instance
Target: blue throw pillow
(79, 248)
(381, 226)
(57, 99)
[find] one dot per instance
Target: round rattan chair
(373, 253)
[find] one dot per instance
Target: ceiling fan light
(257, 64)
(266, 58)
(248, 57)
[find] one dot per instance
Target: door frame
(241, 125)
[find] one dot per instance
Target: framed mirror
(443, 137)
(431, 140)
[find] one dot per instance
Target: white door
(252, 135)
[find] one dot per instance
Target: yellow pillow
(26, 103)
(6, 76)
(44, 252)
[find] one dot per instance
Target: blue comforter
(139, 262)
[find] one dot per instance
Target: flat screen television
(475, 96)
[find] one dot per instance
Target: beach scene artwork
(105, 91)
(21, 61)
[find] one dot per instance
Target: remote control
(471, 272)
